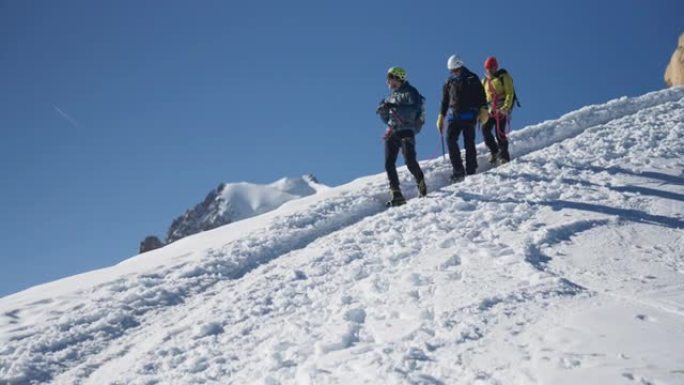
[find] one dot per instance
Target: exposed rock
(204, 216)
(235, 201)
(150, 243)
(674, 74)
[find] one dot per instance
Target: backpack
(419, 120)
(502, 72)
(466, 94)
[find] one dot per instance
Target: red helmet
(491, 64)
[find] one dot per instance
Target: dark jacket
(462, 96)
(402, 108)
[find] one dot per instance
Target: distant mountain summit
(231, 202)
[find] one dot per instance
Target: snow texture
(565, 266)
(231, 202)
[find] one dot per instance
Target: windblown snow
(565, 266)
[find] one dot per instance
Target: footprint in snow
(419, 280)
(447, 243)
(451, 262)
(455, 276)
(570, 362)
(646, 318)
(357, 315)
(641, 380)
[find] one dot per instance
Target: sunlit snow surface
(564, 267)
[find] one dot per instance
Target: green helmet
(397, 72)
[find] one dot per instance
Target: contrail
(67, 117)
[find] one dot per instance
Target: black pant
(406, 141)
(453, 131)
(501, 142)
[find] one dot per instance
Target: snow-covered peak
(231, 202)
(302, 186)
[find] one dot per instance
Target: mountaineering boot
(504, 157)
(422, 188)
(397, 199)
(493, 157)
(456, 178)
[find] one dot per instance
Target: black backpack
(466, 94)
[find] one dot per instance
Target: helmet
(397, 72)
(454, 62)
(491, 64)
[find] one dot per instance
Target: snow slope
(231, 202)
(564, 267)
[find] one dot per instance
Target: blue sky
(117, 116)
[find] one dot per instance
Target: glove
(483, 116)
(388, 133)
(503, 113)
(440, 122)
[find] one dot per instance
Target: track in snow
(107, 322)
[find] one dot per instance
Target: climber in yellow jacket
(498, 86)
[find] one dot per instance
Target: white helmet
(454, 62)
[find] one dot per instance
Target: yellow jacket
(499, 90)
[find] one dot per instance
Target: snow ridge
(332, 288)
(236, 201)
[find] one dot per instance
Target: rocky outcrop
(205, 216)
(674, 74)
(235, 201)
(150, 243)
